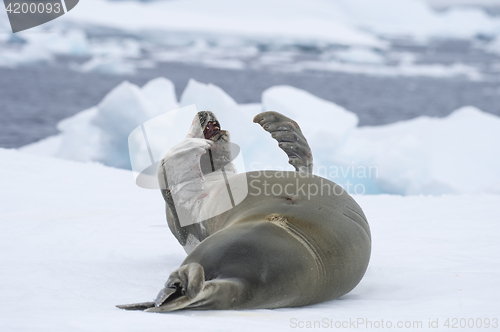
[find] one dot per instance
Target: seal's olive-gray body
(295, 239)
(287, 250)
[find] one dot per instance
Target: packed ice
(351, 36)
(425, 155)
(77, 239)
(340, 21)
(78, 235)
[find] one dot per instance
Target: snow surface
(451, 155)
(336, 122)
(109, 55)
(72, 41)
(403, 69)
(358, 55)
(315, 22)
(107, 65)
(416, 19)
(457, 154)
(227, 34)
(446, 3)
(28, 54)
(77, 239)
(340, 21)
(352, 60)
(493, 46)
(288, 20)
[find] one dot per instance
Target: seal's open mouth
(212, 129)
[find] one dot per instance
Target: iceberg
(100, 133)
(317, 22)
(453, 155)
(279, 21)
(457, 154)
(106, 65)
(69, 42)
(326, 124)
(28, 54)
(416, 19)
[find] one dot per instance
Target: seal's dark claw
(136, 306)
(163, 295)
(181, 289)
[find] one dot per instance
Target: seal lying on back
(296, 239)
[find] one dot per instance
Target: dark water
(33, 99)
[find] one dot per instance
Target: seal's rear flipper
(136, 306)
(186, 288)
(216, 294)
(290, 139)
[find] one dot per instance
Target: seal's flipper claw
(290, 139)
(216, 294)
(173, 305)
(164, 295)
(181, 289)
(137, 306)
(189, 278)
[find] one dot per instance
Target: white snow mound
(101, 133)
(452, 155)
(77, 239)
(346, 22)
(455, 154)
(331, 123)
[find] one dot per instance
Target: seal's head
(205, 125)
(209, 124)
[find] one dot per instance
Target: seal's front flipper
(136, 306)
(187, 289)
(290, 139)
